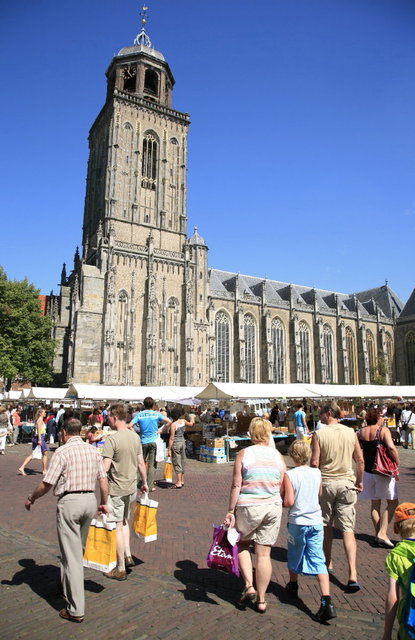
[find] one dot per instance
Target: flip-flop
(21, 473)
(352, 586)
(176, 487)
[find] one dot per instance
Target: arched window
(304, 369)
(370, 346)
(277, 340)
(410, 356)
(250, 348)
(151, 82)
(389, 357)
(222, 349)
(327, 360)
(121, 336)
(149, 162)
(351, 356)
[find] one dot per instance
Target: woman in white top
(255, 507)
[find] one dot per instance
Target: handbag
(100, 549)
(144, 522)
(223, 555)
(37, 453)
(384, 465)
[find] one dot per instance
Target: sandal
(245, 597)
(64, 613)
(257, 604)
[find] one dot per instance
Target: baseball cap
(402, 513)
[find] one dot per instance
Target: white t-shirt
(306, 483)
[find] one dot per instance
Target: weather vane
(142, 38)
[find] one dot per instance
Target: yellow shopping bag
(168, 471)
(100, 549)
(144, 520)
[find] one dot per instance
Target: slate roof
(281, 293)
(409, 308)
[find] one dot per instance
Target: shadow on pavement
(285, 598)
(198, 582)
(44, 580)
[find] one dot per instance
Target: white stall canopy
(228, 390)
(130, 394)
(361, 391)
(44, 393)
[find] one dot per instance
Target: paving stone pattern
(170, 593)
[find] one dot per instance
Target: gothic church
(142, 306)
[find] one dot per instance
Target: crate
(216, 443)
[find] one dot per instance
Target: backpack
(408, 611)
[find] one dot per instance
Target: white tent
(13, 395)
(130, 394)
(361, 391)
(44, 393)
(228, 390)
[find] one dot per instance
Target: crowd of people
(320, 490)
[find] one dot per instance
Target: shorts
(300, 433)
(305, 549)
(376, 487)
(337, 501)
(119, 507)
(259, 523)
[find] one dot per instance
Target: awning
(44, 393)
(130, 393)
(228, 390)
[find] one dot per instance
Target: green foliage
(380, 377)
(26, 346)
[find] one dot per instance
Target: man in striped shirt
(73, 473)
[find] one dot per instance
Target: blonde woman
(38, 439)
(255, 508)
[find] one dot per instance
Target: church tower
(133, 302)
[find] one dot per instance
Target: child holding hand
(302, 487)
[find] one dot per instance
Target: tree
(26, 346)
(381, 369)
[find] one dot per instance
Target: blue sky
(302, 142)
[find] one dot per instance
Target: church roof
(282, 293)
(129, 51)
(196, 239)
(409, 308)
(386, 299)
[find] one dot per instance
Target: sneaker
(116, 574)
(326, 612)
(292, 588)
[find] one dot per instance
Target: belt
(67, 493)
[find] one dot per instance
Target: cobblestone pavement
(170, 593)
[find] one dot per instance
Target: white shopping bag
(37, 453)
(160, 450)
(51, 439)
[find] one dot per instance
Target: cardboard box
(216, 443)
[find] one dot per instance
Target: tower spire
(142, 38)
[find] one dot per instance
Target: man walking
(332, 450)
(122, 455)
(301, 428)
(73, 472)
(147, 423)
